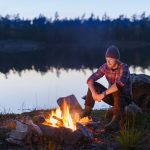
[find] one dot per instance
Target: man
(119, 92)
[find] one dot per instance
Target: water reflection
(30, 89)
(70, 57)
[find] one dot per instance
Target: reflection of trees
(73, 43)
(42, 61)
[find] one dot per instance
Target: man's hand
(97, 97)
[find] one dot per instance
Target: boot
(86, 112)
(113, 125)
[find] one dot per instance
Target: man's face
(111, 62)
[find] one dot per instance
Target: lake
(31, 90)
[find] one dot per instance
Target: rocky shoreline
(106, 140)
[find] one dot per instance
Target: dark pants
(118, 99)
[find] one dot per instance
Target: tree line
(75, 30)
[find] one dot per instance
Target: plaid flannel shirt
(121, 76)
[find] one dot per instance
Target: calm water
(30, 89)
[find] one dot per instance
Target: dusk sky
(71, 9)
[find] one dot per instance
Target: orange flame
(59, 118)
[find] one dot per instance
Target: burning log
(85, 131)
(62, 135)
(72, 102)
(66, 135)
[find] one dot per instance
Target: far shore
(12, 46)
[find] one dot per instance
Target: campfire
(64, 124)
(62, 118)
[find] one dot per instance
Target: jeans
(117, 99)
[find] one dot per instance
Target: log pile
(66, 135)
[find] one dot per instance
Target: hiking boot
(87, 112)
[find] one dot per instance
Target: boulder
(141, 90)
(132, 110)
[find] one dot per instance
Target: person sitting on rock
(119, 93)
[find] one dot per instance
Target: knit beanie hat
(112, 52)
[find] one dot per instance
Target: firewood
(72, 102)
(62, 134)
(85, 132)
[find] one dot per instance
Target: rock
(141, 90)
(16, 136)
(14, 141)
(132, 110)
(23, 132)
(20, 132)
(28, 121)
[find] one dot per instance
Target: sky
(74, 8)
